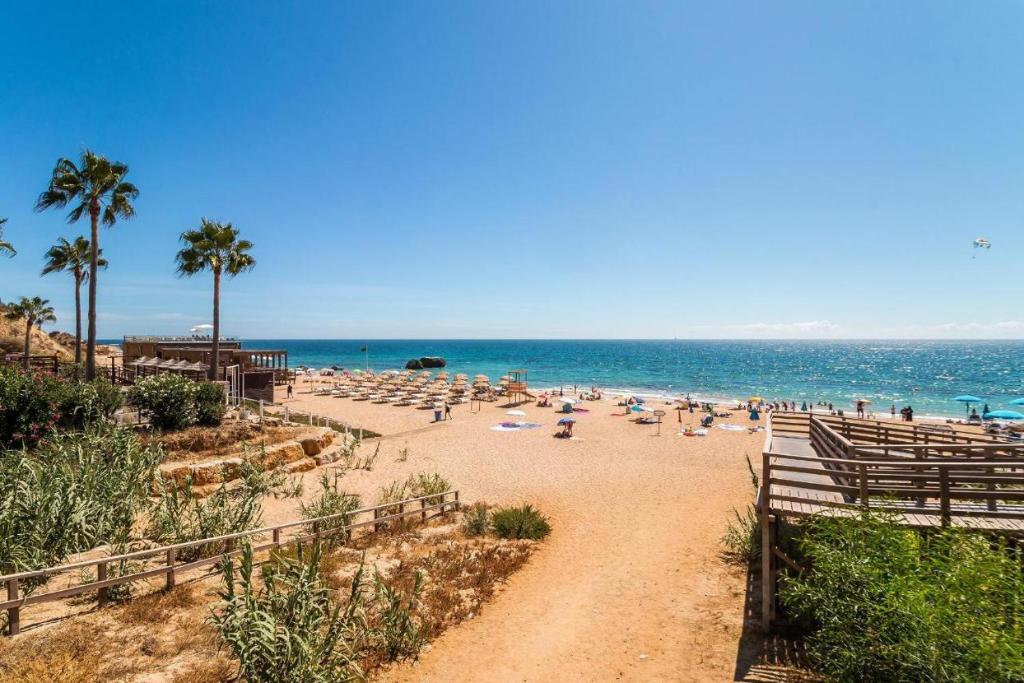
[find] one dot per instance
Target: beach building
(254, 371)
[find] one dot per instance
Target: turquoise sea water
(923, 374)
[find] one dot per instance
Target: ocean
(922, 374)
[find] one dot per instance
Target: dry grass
(159, 607)
(167, 635)
(69, 654)
(216, 669)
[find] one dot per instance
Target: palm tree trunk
(215, 348)
(78, 320)
(28, 338)
(90, 348)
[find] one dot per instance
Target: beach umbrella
(755, 399)
(967, 400)
(1017, 402)
(516, 413)
(566, 421)
(1004, 415)
(205, 327)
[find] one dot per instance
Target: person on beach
(447, 410)
(289, 391)
(893, 411)
(860, 408)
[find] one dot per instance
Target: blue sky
(535, 169)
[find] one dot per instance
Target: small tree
(73, 257)
(35, 311)
(215, 247)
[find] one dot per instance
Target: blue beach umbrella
(569, 421)
(1004, 415)
(968, 400)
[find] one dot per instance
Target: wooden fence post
(101, 575)
(13, 613)
(171, 560)
(862, 473)
(944, 495)
(277, 539)
(456, 502)
(423, 507)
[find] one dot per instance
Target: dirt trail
(630, 585)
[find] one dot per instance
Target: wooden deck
(809, 489)
(920, 477)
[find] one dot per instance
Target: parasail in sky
(982, 243)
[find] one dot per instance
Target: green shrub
(29, 406)
(520, 522)
(79, 490)
(168, 399)
(394, 631)
(33, 404)
(210, 404)
(331, 500)
(290, 627)
(85, 403)
(289, 630)
(886, 603)
(477, 520)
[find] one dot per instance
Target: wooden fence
(167, 557)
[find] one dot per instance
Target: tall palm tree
(97, 187)
(216, 247)
(35, 311)
(5, 246)
(73, 257)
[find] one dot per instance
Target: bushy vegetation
(417, 485)
(210, 404)
(887, 603)
(77, 491)
(173, 402)
(168, 399)
(293, 628)
(330, 500)
(742, 539)
(476, 520)
(33, 405)
(180, 515)
(524, 521)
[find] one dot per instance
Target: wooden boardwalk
(920, 477)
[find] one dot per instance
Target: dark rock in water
(426, 362)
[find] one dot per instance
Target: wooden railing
(170, 568)
(854, 467)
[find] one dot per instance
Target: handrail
(14, 602)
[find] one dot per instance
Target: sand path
(629, 586)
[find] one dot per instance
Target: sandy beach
(629, 586)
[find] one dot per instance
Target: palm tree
(35, 311)
(73, 257)
(96, 186)
(214, 246)
(5, 246)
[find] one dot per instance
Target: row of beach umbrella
(968, 399)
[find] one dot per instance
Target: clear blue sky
(535, 169)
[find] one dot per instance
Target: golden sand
(629, 586)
